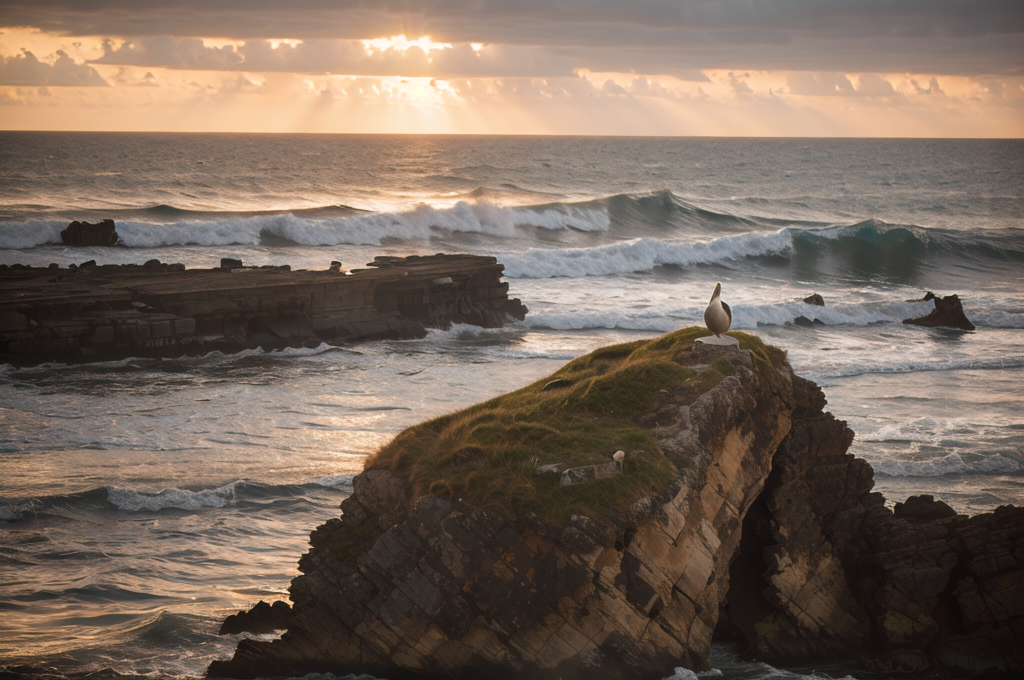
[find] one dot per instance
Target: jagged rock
(87, 234)
(815, 299)
(827, 571)
(769, 530)
(262, 618)
(948, 313)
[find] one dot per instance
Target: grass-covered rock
(488, 454)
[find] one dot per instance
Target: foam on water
(364, 228)
(180, 499)
(641, 255)
(891, 465)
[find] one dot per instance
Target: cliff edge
(468, 549)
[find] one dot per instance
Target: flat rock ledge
(770, 537)
(107, 312)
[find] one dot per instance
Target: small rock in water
(86, 234)
(815, 299)
(948, 313)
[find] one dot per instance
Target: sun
(400, 43)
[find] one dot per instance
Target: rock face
(86, 234)
(826, 570)
(403, 587)
(97, 313)
(770, 533)
(948, 313)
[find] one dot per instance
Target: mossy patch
(487, 454)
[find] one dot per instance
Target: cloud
(26, 69)
(349, 57)
(646, 36)
(933, 87)
(739, 84)
(179, 53)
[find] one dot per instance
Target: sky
(762, 68)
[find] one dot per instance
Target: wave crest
(180, 499)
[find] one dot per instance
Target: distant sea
(142, 501)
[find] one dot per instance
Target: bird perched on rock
(718, 316)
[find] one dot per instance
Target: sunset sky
(900, 68)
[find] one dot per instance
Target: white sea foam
(417, 224)
(950, 464)
(30, 233)
(641, 255)
(181, 499)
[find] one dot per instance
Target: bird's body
(717, 316)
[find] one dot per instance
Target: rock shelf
(107, 312)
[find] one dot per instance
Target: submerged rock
(442, 570)
(948, 313)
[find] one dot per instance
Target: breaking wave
(119, 499)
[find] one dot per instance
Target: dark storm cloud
(946, 36)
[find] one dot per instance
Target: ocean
(142, 501)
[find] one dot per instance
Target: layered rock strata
(769, 534)
(411, 587)
(93, 313)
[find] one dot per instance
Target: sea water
(142, 501)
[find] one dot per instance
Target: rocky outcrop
(262, 618)
(948, 313)
(827, 571)
(104, 312)
(768, 533)
(407, 587)
(86, 234)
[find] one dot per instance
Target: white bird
(718, 316)
(619, 457)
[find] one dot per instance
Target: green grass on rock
(487, 454)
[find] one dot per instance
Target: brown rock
(425, 589)
(948, 313)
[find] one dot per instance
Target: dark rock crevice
(901, 590)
